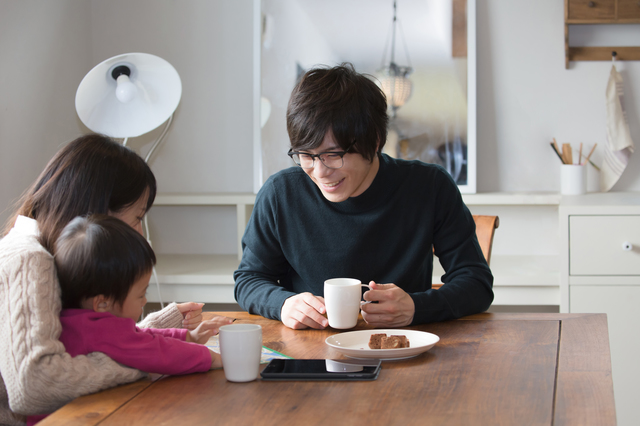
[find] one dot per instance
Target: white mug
(342, 299)
(241, 349)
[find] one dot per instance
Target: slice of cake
(394, 342)
(375, 341)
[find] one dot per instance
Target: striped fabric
(619, 146)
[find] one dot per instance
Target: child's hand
(216, 360)
(221, 320)
(192, 314)
(203, 332)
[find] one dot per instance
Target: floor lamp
(127, 96)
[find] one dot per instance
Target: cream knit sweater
(37, 376)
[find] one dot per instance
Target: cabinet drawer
(628, 9)
(592, 9)
(596, 245)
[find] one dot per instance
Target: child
(104, 267)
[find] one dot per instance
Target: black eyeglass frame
(291, 153)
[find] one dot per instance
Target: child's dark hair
(100, 254)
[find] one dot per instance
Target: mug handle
(362, 302)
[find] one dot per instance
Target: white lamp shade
(397, 89)
(156, 96)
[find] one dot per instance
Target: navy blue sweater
(296, 239)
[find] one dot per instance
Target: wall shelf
(478, 199)
(601, 12)
(512, 199)
(204, 199)
(627, 53)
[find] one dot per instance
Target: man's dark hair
(342, 101)
(97, 255)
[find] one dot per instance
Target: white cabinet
(201, 277)
(604, 245)
(600, 273)
(620, 304)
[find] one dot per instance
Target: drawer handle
(591, 4)
(626, 246)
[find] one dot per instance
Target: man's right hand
(304, 310)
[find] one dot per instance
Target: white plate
(355, 344)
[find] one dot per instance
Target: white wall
(44, 52)
(209, 147)
(526, 97)
(46, 48)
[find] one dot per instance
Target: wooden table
(487, 369)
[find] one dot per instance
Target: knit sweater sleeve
(468, 281)
(169, 317)
(38, 374)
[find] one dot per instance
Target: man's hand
(395, 308)
(304, 310)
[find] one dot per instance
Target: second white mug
(241, 349)
(342, 298)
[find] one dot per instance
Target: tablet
(322, 369)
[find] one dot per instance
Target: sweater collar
(25, 226)
(375, 194)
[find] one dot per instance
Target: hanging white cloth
(619, 145)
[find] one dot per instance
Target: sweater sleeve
(162, 351)
(256, 290)
(38, 374)
(169, 317)
(468, 282)
(257, 279)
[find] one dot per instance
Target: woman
(92, 174)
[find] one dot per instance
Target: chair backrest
(485, 228)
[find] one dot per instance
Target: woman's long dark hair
(92, 174)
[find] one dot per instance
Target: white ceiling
(358, 30)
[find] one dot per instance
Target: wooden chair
(485, 228)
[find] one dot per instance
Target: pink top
(162, 351)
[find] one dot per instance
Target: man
(346, 210)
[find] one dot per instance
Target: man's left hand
(395, 308)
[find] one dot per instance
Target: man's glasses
(330, 159)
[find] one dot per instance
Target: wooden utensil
(566, 153)
(590, 152)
